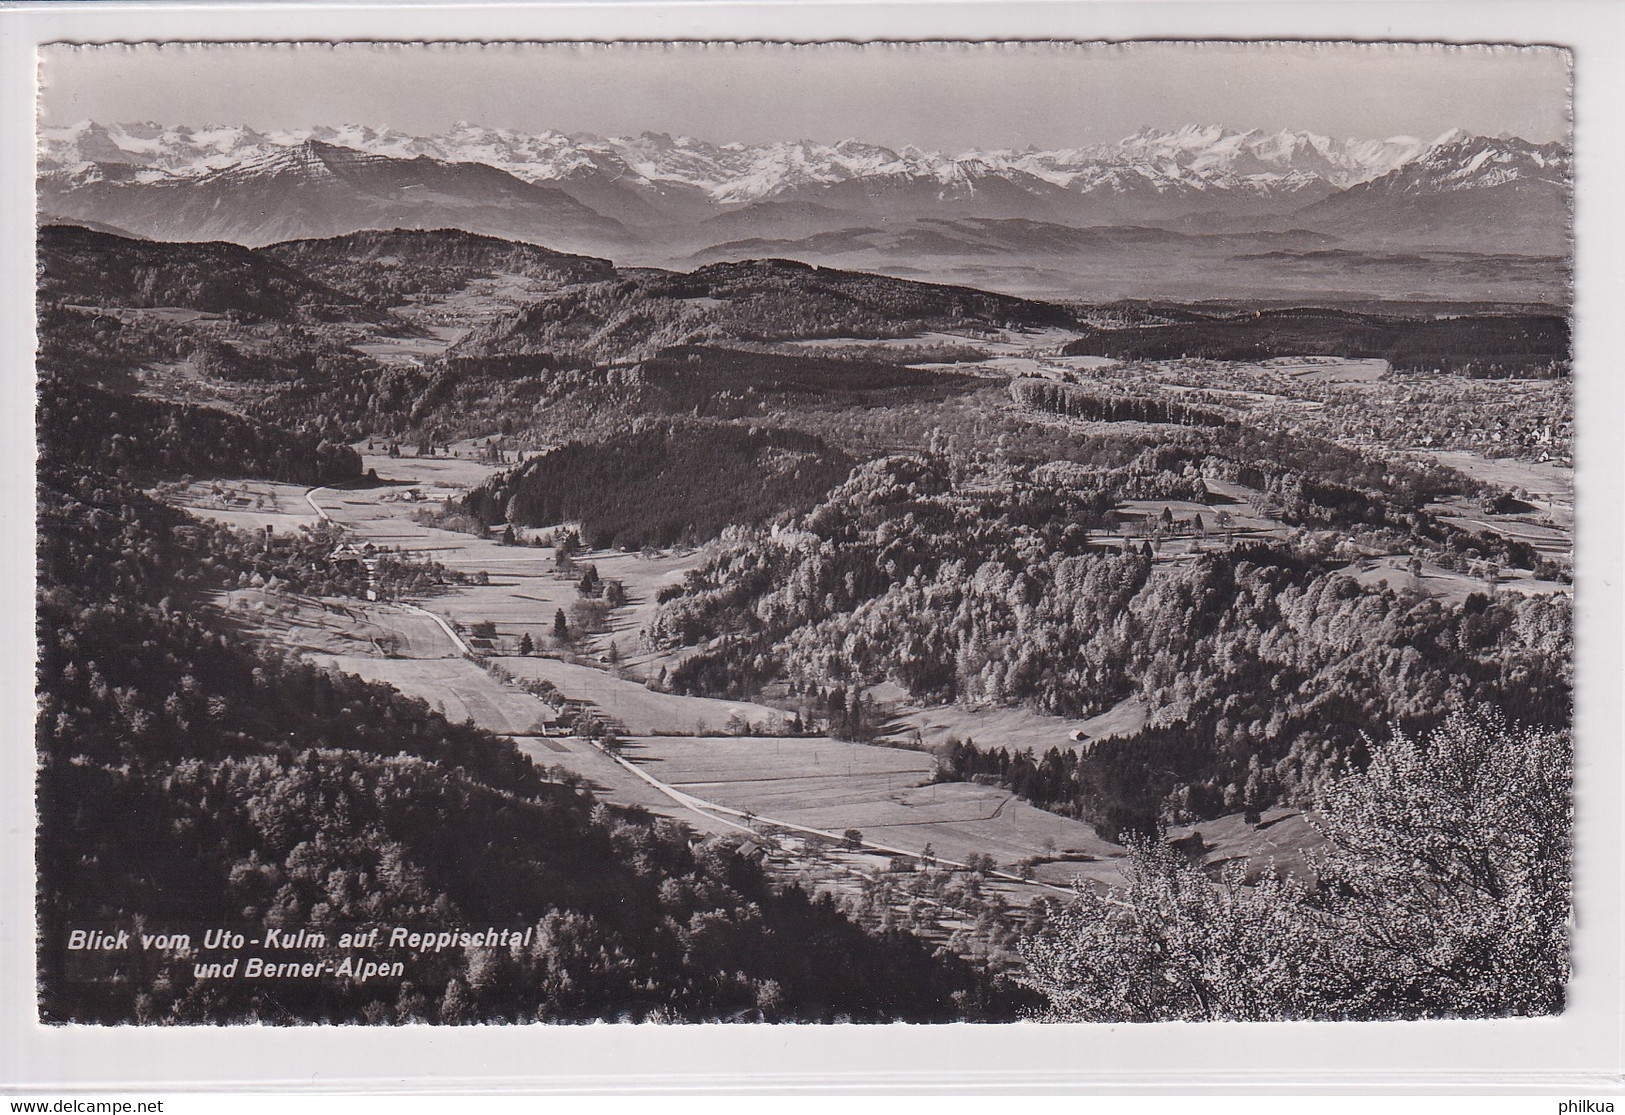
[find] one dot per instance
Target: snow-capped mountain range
(658, 199)
(1196, 157)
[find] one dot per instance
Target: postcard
(759, 532)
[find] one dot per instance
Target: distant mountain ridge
(1001, 219)
(314, 188)
(1468, 193)
(681, 172)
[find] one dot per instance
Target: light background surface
(1571, 1055)
(950, 97)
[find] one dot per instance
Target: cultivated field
(1283, 838)
(1543, 480)
(449, 316)
(244, 504)
(883, 792)
(427, 665)
(313, 626)
(1447, 584)
(455, 686)
(1539, 530)
(1550, 486)
(1242, 516)
(166, 314)
(412, 350)
(819, 783)
(641, 710)
(1015, 728)
(1331, 369)
(526, 588)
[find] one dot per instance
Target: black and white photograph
(754, 532)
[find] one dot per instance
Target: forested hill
(643, 312)
(387, 267)
(136, 437)
(83, 266)
(1260, 665)
(665, 483)
(252, 790)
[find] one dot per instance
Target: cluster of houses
(366, 555)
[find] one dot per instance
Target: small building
(751, 850)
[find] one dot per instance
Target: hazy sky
(944, 96)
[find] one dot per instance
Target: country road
(457, 640)
(310, 498)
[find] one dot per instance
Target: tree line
(1076, 401)
(1480, 344)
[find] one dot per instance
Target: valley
(699, 747)
(700, 763)
(698, 599)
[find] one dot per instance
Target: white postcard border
(1570, 1054)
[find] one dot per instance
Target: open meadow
(526, 586)
(1017, 729)
(641, 710)
(244, 504)
(885, 793)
